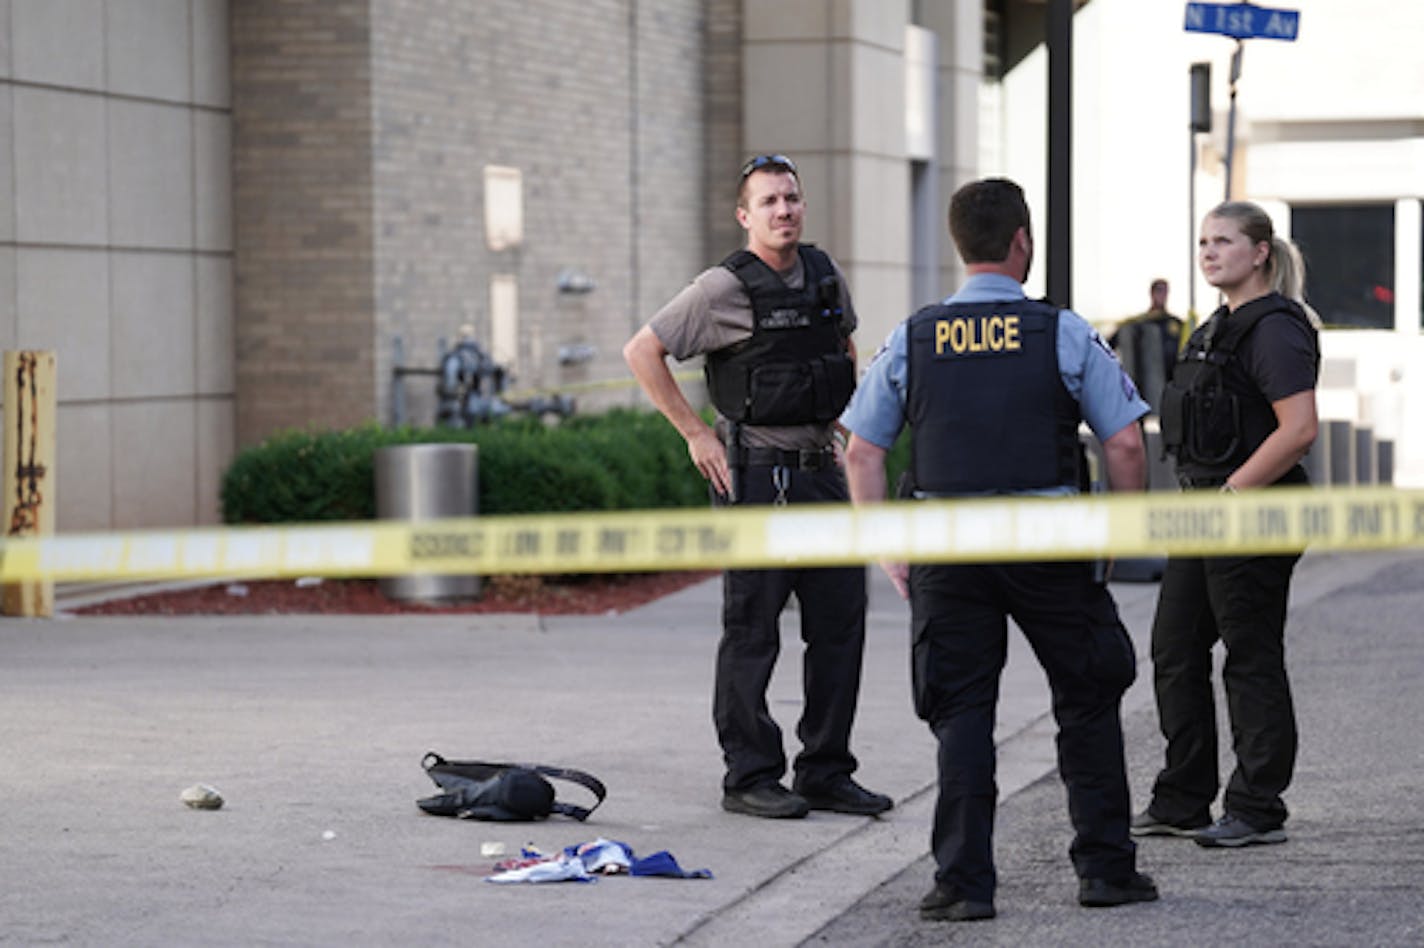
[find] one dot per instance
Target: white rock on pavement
(200, 796)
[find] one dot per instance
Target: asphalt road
(314, 727)
(1352, 870)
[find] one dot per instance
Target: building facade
(116, 243)
(234, 217)
(1328, 138)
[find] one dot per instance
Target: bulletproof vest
(986, 404)
(1212, 416)
(794, 368)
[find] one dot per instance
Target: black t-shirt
(1279, 358)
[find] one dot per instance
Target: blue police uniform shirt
(1090, 371)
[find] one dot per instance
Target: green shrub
(621, 460)
(526, 470)
(305, 476)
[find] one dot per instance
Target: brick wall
(302, 215)
(362, 131)
(598, 104)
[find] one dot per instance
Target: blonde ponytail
(1288, 275)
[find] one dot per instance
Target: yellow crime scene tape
(1089, 526)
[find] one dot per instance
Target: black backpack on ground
(480, 790)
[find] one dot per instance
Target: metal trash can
(428, 482)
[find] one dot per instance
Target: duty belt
(805, 459)
(1189, 482)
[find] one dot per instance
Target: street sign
(1243, 21)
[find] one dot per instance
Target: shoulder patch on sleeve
(1101, 342)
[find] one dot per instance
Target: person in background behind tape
(1238, 413)
(774, 321)
(993, 387)
(1147, 345)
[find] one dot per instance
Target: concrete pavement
(314, 726)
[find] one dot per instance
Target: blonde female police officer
(993, 387)
(1239, 413)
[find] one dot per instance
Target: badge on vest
(785, 319)
(960, 336)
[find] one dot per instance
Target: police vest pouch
(481, 790)
(797, 393)
(833, 378)
(1172, 419)
(1213, 423)
(1200, 424)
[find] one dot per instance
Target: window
(1349, 262)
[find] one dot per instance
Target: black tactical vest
(986, 405)
(1213, 419)
(794, 368)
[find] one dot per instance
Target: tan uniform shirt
(714, 312)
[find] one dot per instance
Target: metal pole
(1199, 121)
(1060, 152)
(1231, 114)
(1192, 228)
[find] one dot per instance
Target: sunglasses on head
(776, 162)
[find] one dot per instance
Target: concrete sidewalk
(313, 728)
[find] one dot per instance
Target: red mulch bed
(594, 594)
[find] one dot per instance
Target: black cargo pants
(959, 644)
(1240, 601)
(832, 603)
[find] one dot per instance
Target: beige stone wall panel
(8, 312)
(150, 175)
(214, 443)
(147, 48)
(7, 162)
(57, 42)
(212, 65)
(153, 341)
(153, 460)
(83, 461)
(212, 181)
(5, 43)
(61, 171)
(62, 303)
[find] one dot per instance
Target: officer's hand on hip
(710, 457)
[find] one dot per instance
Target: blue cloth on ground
(662, 863)
(584, 862)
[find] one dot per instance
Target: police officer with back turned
(774, 321)
(993, 387)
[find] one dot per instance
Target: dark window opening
(1349, 262)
